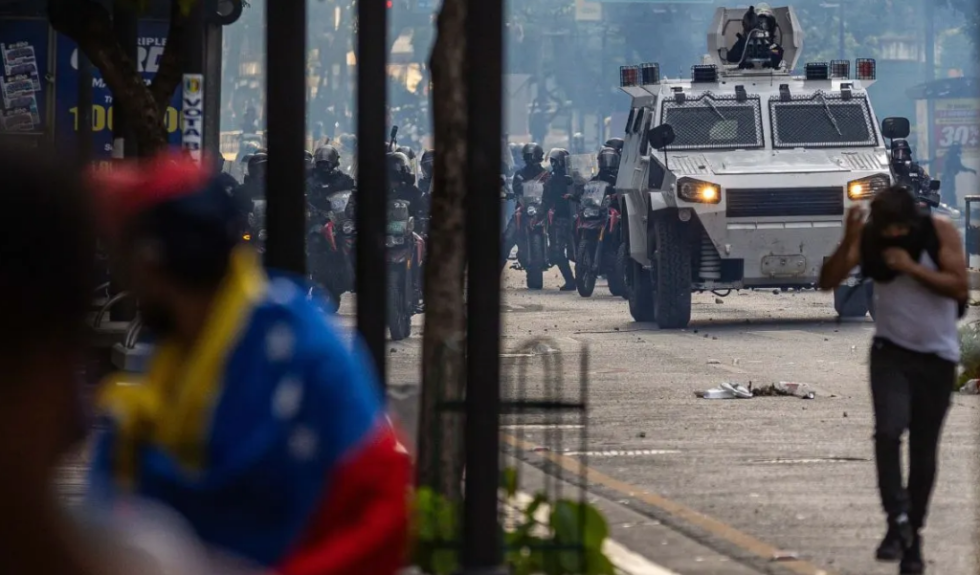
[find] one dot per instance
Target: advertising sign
(192, 123)
(24, 52)
(151, 40)
(957, 122)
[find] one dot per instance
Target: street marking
(625, 561)
(812, 460)
(627, 453)
(686, 514)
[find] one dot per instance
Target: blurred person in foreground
(920, 288)
(254, 422)
(46, 281)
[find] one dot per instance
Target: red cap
(130, 189)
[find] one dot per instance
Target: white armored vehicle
(740, 176)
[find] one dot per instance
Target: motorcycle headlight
(591, 212)
(532, 211)
(347, 227)
(698, 191)
(866, 188)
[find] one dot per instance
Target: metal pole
(372, 177)
(84, 110)
(213, 36)
(195, 88)
(285, 111)
(482, 548)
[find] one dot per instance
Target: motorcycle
(532, 223)
(331, 244)
(597, 240)
(404, 254)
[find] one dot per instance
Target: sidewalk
(639, 544)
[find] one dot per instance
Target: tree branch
(171, 70)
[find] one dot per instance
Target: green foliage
(970, 352)
(562, 537)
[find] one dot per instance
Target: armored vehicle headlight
(697, 191)
(866, 188)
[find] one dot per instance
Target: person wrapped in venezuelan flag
(254, 421)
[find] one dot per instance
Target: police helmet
(327, 156)
(558, 158)
(616, 144)
(608, 159)
(533, 154)
(407, 151)
(398, 166)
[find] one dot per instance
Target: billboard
(957, 122)
(24, 52)
(151, 40)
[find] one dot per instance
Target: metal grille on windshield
(822, 120)
(711, 122)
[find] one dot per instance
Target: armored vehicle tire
(672, 280)
(399, 317)
(851, 301)
(617, 277)
(640, 293)
(584, 275)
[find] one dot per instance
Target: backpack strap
(931, 245)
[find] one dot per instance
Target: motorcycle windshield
(594, 193)
(338, 201)
(533, 192)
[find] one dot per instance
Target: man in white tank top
(919, 270)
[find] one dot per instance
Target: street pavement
(732, 482)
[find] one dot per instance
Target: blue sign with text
(151, 40)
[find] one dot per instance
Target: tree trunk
(440, 437)
(90, 25)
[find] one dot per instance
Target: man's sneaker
(912, 563)
(898, 538)
(570, 286)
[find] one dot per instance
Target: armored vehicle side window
(711, 122)
(638, 121)
(629, 121)
(822, 120)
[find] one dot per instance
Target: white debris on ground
(738, 391)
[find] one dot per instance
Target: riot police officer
(608, 160)
(255, 178)
(533, 155)
(557, 195)
(427, 164)
(403, 187)
(308, 162)
(327, 177)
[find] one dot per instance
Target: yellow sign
(192, 85)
